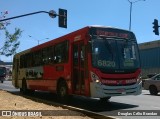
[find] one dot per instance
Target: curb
(86, 112)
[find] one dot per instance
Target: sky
(81, 13)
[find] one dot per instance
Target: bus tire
(2, 81)
(62, 92)
(24, 89)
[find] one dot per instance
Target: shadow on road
(152, 95)
(79, 102)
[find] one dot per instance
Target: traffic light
(155, 27)
(62, 18)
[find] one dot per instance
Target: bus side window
(51, 55)
(61, 52)
(75, 55)
(48, 55)
(22, 61)
(44, 56)
(29, 61)
(37, 56)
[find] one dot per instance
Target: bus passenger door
(78, 68)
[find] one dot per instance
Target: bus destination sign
(112, 34)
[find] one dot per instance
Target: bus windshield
(114, 54)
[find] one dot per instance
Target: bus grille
(120, 82)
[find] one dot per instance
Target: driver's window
(129, 52)
(157, 77)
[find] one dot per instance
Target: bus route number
(104, 63)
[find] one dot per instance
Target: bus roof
(67, 36)
(101, 26)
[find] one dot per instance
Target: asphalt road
(131, 105)
(7, 85)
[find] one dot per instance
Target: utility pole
(130, 18)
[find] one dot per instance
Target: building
(5, 63)
(150, 57)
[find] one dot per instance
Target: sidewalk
(16, 103)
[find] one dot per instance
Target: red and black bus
(95, 61)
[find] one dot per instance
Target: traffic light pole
(62, 16)
(24, 15)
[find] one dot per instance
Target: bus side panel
(43, 85)
(51, 74)
(43, 80)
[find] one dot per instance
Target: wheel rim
(62, 91)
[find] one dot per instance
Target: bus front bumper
(101, 91)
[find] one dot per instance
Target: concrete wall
(150, 57)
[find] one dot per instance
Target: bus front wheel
(62, 92)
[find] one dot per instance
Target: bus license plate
(121, 91)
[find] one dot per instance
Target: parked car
(148, 77)
(2, 74)
(152, 84)
(151, 75)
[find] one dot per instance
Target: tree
(11, 42)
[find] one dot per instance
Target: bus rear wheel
(24, 90)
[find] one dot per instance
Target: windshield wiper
(109, 47)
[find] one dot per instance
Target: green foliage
(11, 43)
(1, 25)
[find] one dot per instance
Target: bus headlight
(139, 79)
(94, 77)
